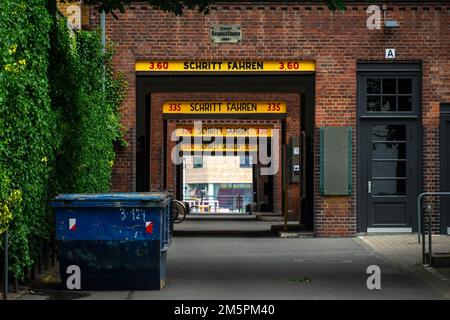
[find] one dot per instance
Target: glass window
(245, 161)
(405, 86)
(389, 187)
(389, 132)
(387, 151)
(373, 103)
(389, 95)
(389, 86)
(404, 103)
(389, 103)
(198, 162)
(389, 169)
(373, 86)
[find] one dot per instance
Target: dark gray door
(389, 171)
(388, 155)
(445, 170)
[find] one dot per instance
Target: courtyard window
(245, 162)
(198, 162)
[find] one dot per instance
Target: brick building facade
(344, 50)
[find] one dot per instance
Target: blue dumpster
(116, 241)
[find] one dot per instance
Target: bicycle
(179, 211)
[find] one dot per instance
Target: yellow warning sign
(225, 66)
(234, 107)
(223, 131)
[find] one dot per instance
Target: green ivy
(59, 120)
(8, 200)
(87, 97)
(27, 124)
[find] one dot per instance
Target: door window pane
(389, 103)
(389, 169)
(404, 103)
(373, 103)
(389, 86)
(389, 151)
(389, 187)
(389, 132)
(405, 86)
(373, 86)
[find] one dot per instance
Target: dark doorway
(389, 163)
(388, 142)
(304, 84)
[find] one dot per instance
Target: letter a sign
(390, 53)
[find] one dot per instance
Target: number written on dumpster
(134, 214)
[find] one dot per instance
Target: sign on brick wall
(218, 147)
(223, 131)
(229, 107)
(226, 33)
(225, 66)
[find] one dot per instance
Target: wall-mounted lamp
(389, 23)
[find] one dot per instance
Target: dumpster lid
(122, 197)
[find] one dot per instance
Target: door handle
(369, 187)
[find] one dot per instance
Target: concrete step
(269, 218)
(224, 233)
(291, 227)
(218, 216)
(295, 234)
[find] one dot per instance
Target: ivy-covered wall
(59, 121)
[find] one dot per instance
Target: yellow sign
(225, 66)
(213, 147)
(223, 131)
(234, 107)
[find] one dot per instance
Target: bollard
(430, 227)
(39, 263)
(45, 249)
(52, 252)
(33, 272)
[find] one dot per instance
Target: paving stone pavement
(224, 268)
(405, 252)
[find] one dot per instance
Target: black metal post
(430, 231)
(421, 220)
(45, 253)
(39, 263)
(422, 230)
(33, 272)
(53, 251)
(5, 266)
(284, 184)
(15, 284)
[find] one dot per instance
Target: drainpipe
(103, 28)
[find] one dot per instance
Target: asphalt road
(265, 268)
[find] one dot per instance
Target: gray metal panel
(295, 154)
(336, 161)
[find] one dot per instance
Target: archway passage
(155, 170)
(228, 168)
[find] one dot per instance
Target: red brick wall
(336, 41)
